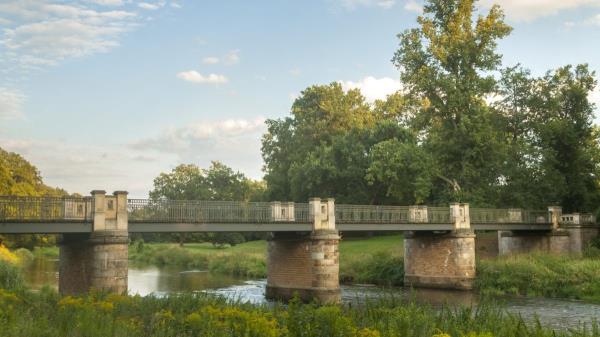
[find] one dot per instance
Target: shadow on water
(558, 314)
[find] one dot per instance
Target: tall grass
(541, 275)
(10, 276)
(48, 315)
(376, 260)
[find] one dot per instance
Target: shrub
(10, 276)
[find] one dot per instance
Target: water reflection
(559, 314)
(145, 281)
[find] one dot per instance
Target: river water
(558, 314)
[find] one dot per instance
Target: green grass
(379, 260)
(10, 276)
(541, 275)
(44, 313)
(374, 260)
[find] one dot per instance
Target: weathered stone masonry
(98, 260)
(442, 259)
(306, 265)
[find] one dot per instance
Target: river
(555, 313)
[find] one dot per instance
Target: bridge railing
(508, 215)
(370, 214)
(44, 209)
(148, 210)
(439, 215)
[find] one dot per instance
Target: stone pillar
(522, 242)
(555, 241)
(442, 260)
(582, 229)
(98, 260)
(306, 264)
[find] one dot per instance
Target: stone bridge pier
(554, 241)
(306, 264)
(442, 259)
(97, 260)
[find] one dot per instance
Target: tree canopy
(463, 128)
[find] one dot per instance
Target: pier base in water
(304, 265)
(439, 260)
(93, 261)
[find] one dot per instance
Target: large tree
(448, 64)
(566, 137)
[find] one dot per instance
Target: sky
(107, 94)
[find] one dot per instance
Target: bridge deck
(74, 215)
(180, 227)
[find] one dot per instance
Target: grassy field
(379, 260)
(45, 313)
(373, 260)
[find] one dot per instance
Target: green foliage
(224, 238)
(18, 177)
(383, 264)
(462, 128)
(404, 168)
(10, 276)
(218, 182)
(540, 275)
(187, 315)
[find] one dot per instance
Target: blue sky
(106, 94)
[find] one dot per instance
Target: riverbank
(376, 260)
(379, 260)
(45, 313)
(541, 275)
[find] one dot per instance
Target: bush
(381, 268)
(24, 314)
(10, 276)
(540, 275)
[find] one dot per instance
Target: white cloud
(295, 71)
(106, 2)
(210, 60)
(175, 5)
(196, 77)
(354, 4)
(183, 138)
(413, 6)
(79, 167)
(529, 10)
(594, 20)
(45, 33)
(595, 97)
(231, 58)
(151, 6)
(373, 88)
(235, 142)
(11, 103)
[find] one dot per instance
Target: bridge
(303, 254)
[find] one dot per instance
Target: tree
(18, 177)
(447, 64)
(218, 182)
(303, 143)
(566, 137)
(404, 168)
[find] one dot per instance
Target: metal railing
(40, 209)
(508, 215)
(438, 215)
(44, 209)
(371, 214)
(147, 210)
